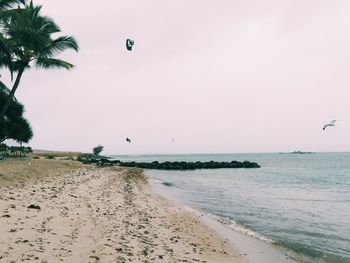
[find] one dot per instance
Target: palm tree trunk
(11, 94)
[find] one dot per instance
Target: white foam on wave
(231, 224)
(157, 181)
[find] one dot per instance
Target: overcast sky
(216, 76)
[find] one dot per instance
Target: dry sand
(90, 214)
(18, 172)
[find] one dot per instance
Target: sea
(300, 202)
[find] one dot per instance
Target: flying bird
(128, 140)
(330, 124)
(129, 44)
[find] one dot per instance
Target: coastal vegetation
(27, 39)
(6, 150)
(97, 150)
(14, 126)
(55, 155)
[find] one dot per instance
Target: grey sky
(217, 76)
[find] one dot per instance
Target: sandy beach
(61, 211)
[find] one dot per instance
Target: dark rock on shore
(34, 207)
(297, 152)
(167, 184)
(102, 160)
(190, 165)
(97, 159)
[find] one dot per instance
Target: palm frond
(59, 45)
(51, 63)
(43, 24)
(4, 50)
(6, 4)
(4, 88)
(26, 38)
(47, 26)
(5, 54)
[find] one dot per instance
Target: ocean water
(297, 201)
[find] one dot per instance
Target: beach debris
(128, 140)
(34, 207)
(330, 124)
(129, 44)
(95, 257)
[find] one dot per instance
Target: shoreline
(94, 214)
(252, 249)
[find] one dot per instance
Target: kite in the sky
(128, 140)
(129, 44)
(330, 124)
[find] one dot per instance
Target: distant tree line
(14, 150)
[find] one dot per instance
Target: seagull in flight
(330, 124)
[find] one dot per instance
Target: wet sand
(91, 214)
(251, 248)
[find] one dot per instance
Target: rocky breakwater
(190, 165)
(91, 159)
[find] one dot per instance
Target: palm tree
(4, 52)
(26, 41)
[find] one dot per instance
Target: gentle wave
(231, 224)
(301, 202)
